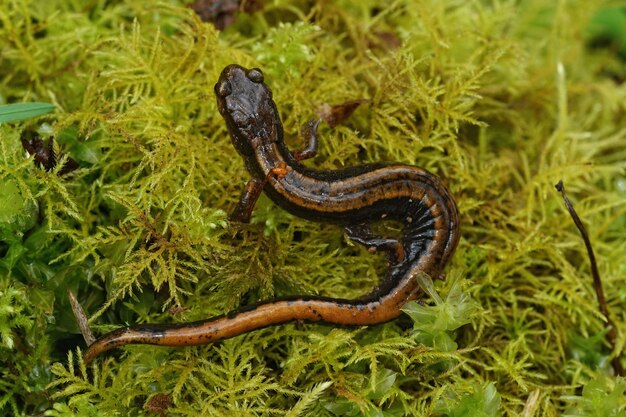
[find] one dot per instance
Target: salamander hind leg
(361, 233)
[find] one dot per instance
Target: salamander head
(246, 104)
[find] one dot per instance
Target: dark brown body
(353, 198)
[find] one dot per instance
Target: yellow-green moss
(500, 98)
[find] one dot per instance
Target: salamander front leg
(309, 132)
(243, 211)
(362, 234)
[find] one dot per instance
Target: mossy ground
(500, 98)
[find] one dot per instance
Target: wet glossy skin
(352, 198)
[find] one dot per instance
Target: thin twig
(611, 335)
(81, 318)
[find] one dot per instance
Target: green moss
(501, 99)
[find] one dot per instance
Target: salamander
(353, 198)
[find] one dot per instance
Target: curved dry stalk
(612, 335)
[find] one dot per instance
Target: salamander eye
(223, 88)
(255, 75)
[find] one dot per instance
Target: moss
(501, 99)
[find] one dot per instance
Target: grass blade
(20, 111)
